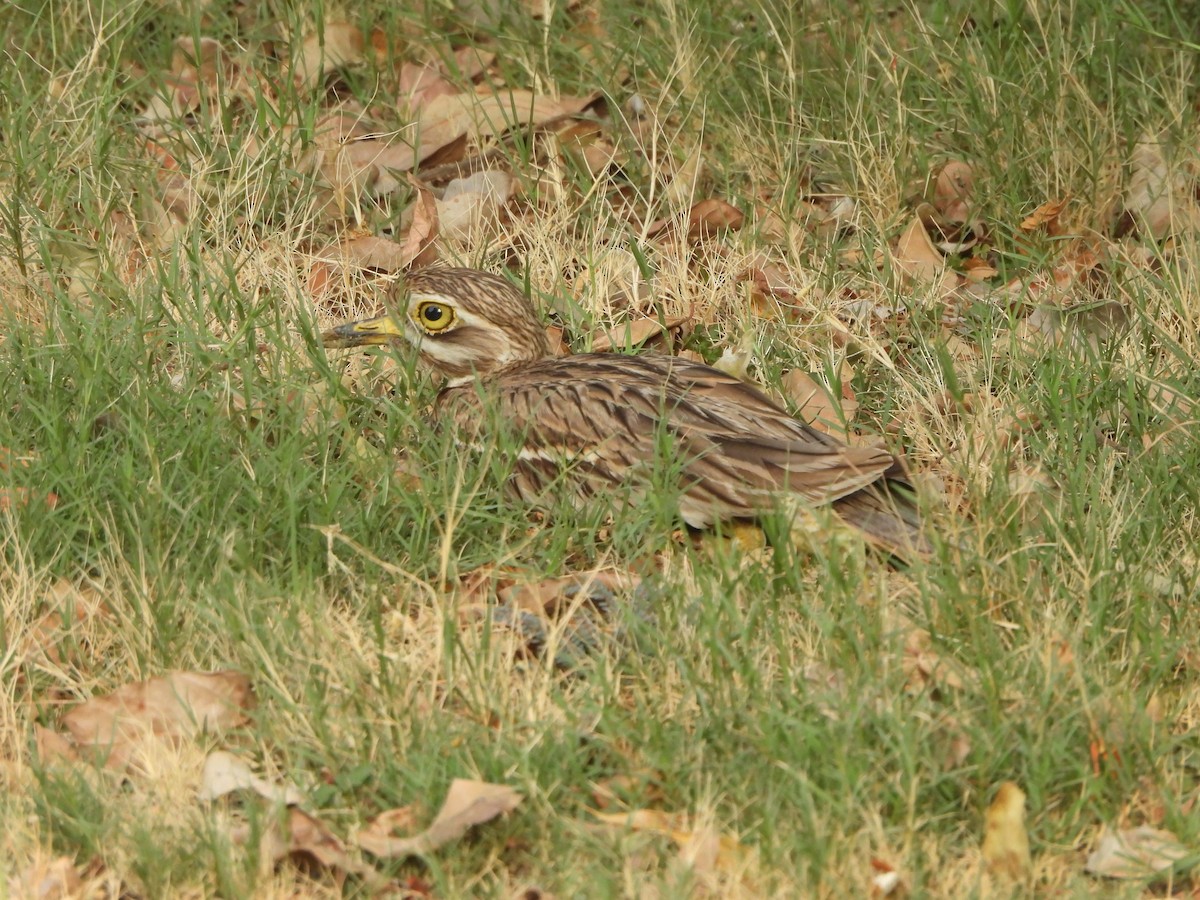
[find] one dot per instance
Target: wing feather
(607, 415)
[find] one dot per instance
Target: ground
(967, 232)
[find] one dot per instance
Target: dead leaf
(225, 773)
(1005, 841)
(815, 405)
(388, 822)
(477, 117)
(422, 83)
(1046, 217)
(197, 67)
(79, 604)
(769, 279)
(978, 270)
(558, 344)
(1158, 201)
(174, 707)
(200, 62)
(550, 596)
(705, 219)
(366, 252)
(615, 279)
(704, 849)
(915, 254)
(53, 747)
(46, 879)
(336, 45)
(419, 245)
(887, 880)
(709, 216)
(468, 803)
(1027, 479)
(471, 61)
(953, 188)
(1136, 853)
(468, 202)
(735, 361)
(924, 668)
(638, 332)
(353, 160)
(586, 139)
(299, 835)
(683, 184)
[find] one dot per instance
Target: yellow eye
(434, 316)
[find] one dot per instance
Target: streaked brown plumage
(601, 417)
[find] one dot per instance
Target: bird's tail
(886, 512)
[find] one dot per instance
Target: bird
(594, 423)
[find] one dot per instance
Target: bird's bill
(372, 332)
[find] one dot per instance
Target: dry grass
(824, 710)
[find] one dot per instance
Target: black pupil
(432, 313)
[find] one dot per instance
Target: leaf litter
(117, 727)
(437, 149)
(468, 803)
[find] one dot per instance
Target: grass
(199, 443)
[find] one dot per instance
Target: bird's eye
(434, 316)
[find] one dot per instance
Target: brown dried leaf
(886, 881)
(771, 278)
(174, 707)
(815, 405)
(1157, 199)
(468, 803)
(352, 159)
(558, 344)
(586, 140)
(81, 604)
(468, 202)
(1005, 841)
(303, 836)
(472, 61)
(683, 184)
(422, 83)
(19, 498)
(952, 191)
(705, 219)
(1046, 217)
(1137, 853)
(638, 332)
(388, 822)
(923, 667)
(709, 216)
(614, 279)
(337, 44)
(46, 879)
(225, 773)
(194, 65)
(369, 253)
(53, 747)
(915, 254)
(420, 240)
(978, 270)
(479, 116)
(199, 62)
(704, 849)
(547, 596)
(1028, 479)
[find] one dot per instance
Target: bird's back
(596, 421)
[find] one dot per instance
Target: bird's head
(461, 321)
